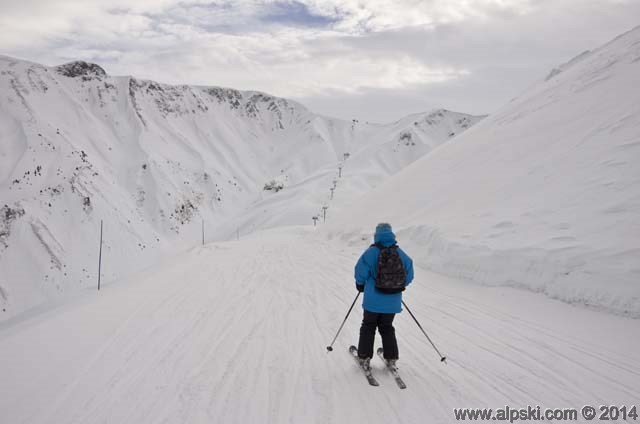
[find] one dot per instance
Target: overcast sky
(373, 60)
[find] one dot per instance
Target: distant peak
(437, 113)
(80, 68)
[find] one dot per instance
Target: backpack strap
(381, 246)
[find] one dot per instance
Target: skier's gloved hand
(360, 287)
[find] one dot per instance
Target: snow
(542, 195)
(236, 332)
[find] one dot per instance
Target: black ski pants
(384, 323)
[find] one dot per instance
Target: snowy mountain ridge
(156, 162)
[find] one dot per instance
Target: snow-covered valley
(523, 227)
(157, 163)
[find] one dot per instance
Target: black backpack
(391, 276)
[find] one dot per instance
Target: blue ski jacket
(366, 272)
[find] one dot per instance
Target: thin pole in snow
(332, 193)
(324, 213)
(100, 257)
(442, 357)
(330, 347)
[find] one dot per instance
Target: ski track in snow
(236, 333)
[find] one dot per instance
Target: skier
(382, 273)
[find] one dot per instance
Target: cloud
(372, 60)
(356, 16)
(296, 13)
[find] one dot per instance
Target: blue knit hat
(383, 227)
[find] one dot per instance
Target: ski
(367, 371)
(392, 369)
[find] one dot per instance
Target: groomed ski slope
(236, 332)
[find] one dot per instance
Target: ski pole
(330, 347)
(442, 358)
